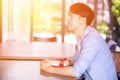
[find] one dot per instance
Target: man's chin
(70, 30)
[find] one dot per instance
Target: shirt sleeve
(89, 49)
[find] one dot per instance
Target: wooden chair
(42, 39)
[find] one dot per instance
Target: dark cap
(82, 10)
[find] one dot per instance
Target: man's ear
(83, 20)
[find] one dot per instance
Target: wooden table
(20, 60)
(116, 57)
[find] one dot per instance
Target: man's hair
(82, 10)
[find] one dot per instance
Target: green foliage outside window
(47, 17)
(116, 9)
(102, 27)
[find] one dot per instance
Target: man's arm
(66, 71)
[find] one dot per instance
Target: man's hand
(46, 66)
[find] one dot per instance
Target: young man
(93, 58)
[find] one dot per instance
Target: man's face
(74, 21)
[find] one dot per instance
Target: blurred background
(22, 20)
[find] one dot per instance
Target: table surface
(30, 69)
(37, 49)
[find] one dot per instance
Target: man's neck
(80, 31)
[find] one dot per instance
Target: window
(47, 16)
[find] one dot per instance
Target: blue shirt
(93, 57)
